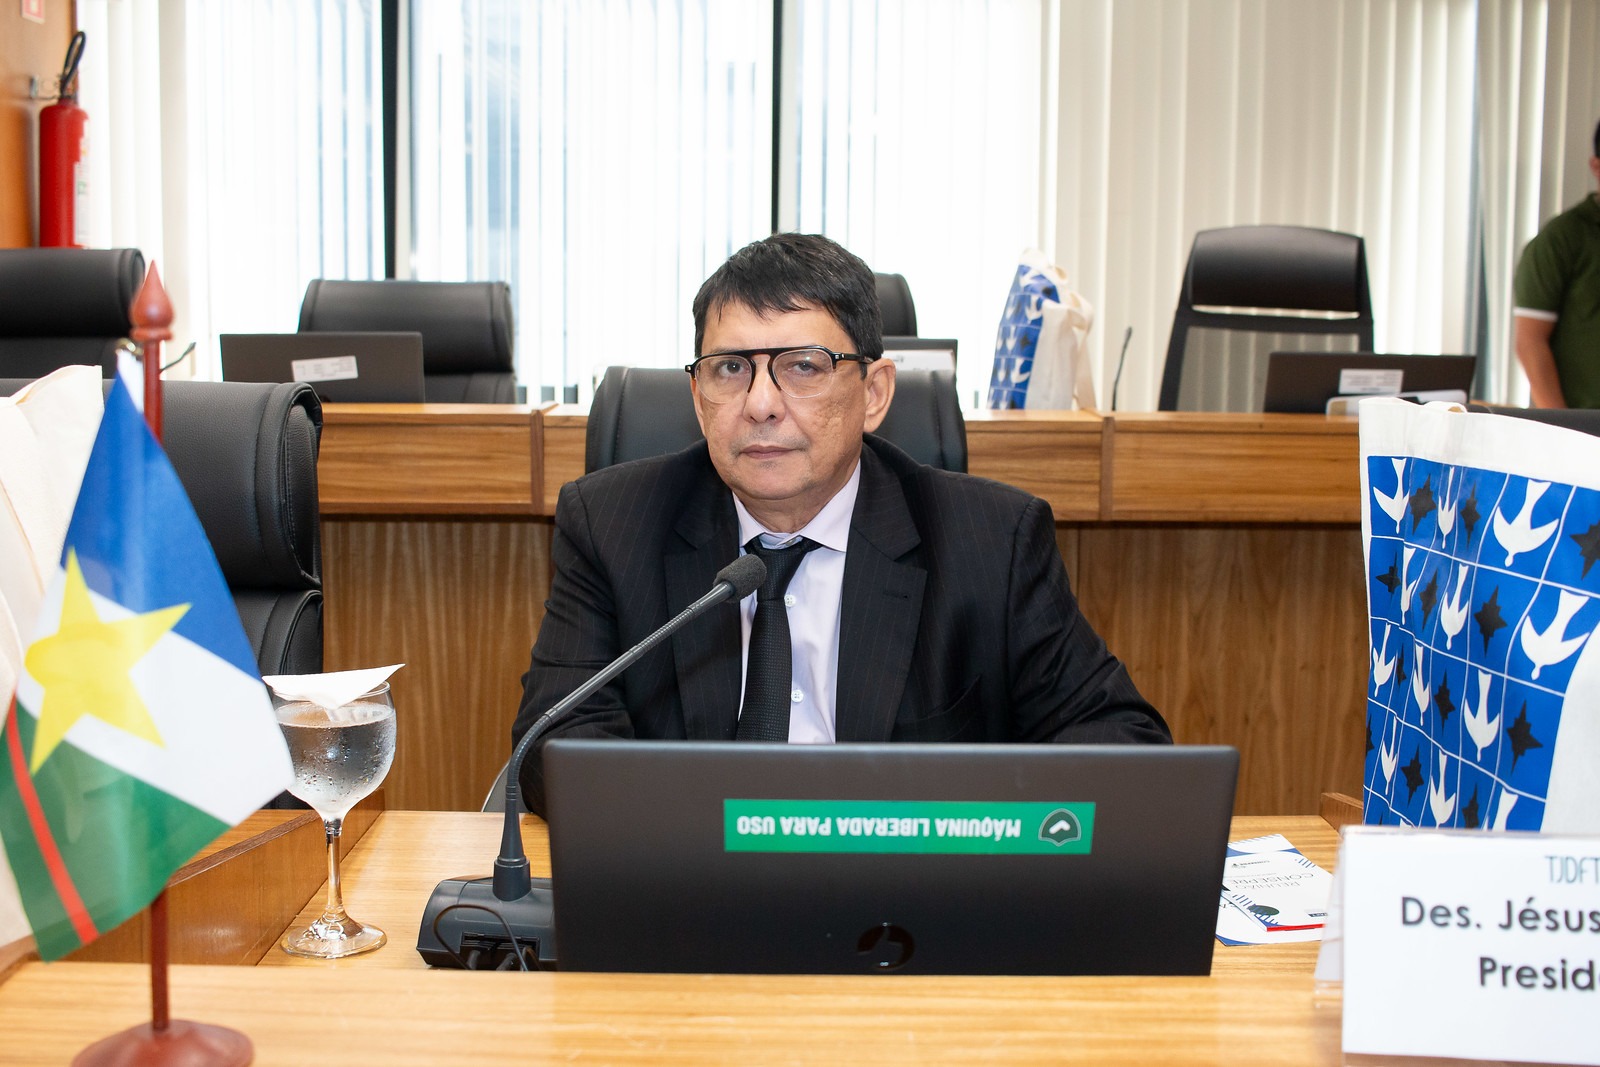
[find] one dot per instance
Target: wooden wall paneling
(1251, 636)
(27, 50)
(458, 602)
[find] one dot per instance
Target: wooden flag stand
(163, 1041)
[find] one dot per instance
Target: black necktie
(768, 670)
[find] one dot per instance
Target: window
(601, 157)
(604, 158)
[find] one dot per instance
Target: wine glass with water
(340, 756)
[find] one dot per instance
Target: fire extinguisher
(63, 168)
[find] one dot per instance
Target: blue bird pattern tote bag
(1482, 547)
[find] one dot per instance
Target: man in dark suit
(924, 605)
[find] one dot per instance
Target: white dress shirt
(813, 601)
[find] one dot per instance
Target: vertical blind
(240, 146)
(601, 156)
(1345, 115)
(1539, 99)
(911, 134)
(604, 156)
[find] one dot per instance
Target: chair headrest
(925, 419)
(895, 303)
(465, 326)
(246, 453)
(1286, 267)
(639, 412)
(68, 292)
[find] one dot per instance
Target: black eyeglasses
(800, 373)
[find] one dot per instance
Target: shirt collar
(830, 528)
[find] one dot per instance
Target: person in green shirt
(1557, 314)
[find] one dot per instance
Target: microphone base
(460, 929)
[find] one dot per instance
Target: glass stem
(334, 911)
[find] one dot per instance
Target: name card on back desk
(1471, 945)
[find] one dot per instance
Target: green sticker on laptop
(916, 826)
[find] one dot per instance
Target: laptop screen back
(341, 367)
(1306, 381)
(928, 859)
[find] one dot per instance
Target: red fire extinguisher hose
(63, 168)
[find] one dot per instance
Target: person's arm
(1066, 686)
(1538, 361)
(577, 638)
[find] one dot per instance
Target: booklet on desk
(1271, 894)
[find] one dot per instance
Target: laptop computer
(1308, 381)
(341, 367)
(904, 858)
(922, 353)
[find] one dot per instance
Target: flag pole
(163, 1041)
(151, 315)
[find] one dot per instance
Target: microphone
(520, 913)
(1117, 383)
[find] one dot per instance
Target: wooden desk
(430, 459)
(1258, 1006)
(435, 555)
(1219, 556)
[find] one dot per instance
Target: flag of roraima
(140, 729)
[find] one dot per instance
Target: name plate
(1471, 945)
(324, 369)
(1364, 380)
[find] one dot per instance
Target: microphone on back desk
(518, 909)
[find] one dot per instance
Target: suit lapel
(881, 607)
(706, 652)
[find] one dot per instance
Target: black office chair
(894, 301)
(647, 411)
(1584, 420)
(62, 307)
(466, 330)
(1316, 278)
(246, 454)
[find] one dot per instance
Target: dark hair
(793, 271)
(1597, 139)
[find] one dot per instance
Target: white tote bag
(46, 431)
(1482, 543)
(1040, 359)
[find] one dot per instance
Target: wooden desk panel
(1258, 1006)
(1055, 455)
(227, 905)
(565, 427)
(417, 459)
(1247, 635)
(1197, 467)
(459, 603)
(1249, 520)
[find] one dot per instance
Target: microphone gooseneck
(1117, 382)
(511, 881)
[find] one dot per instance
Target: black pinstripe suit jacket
(956, 621)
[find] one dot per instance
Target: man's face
(786, 458)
